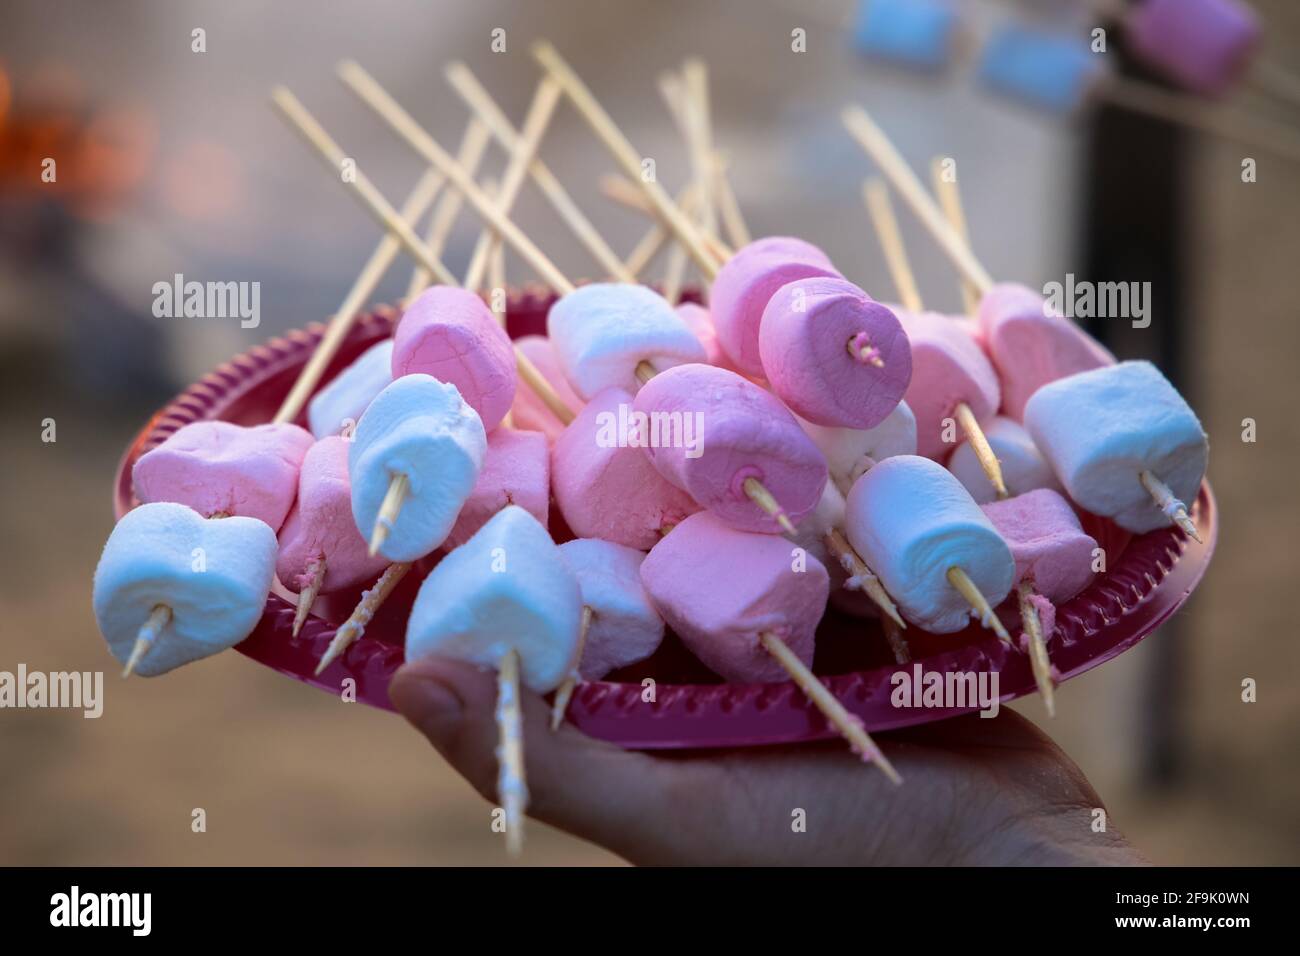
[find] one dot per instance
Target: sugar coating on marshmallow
(850, 451)
(738, 431)
(422, 428)
(451, 334)
(219, 467)
(812, 338)
(1100, 429)
(746, 283)
(505, 588)
(719, 589)
(1204, 45)
(912, 521)
(516, 471)
(529, 412)
(1023, 466)
(213, 573)
(1051, 550)
(337, 407)
(605, 484)
(700, 322)
(625, 627)
(1031, 346)
(603, 331)
(948, 367)
(320, 526)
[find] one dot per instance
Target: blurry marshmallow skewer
(408, 129)
(877, 145)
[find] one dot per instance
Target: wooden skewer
(365, 86)
(158, 619)
(757, 492)
(470, 153)
(624, 192)
(477, 98)
(732, 218)
(539, 117)
(649, 245)
(483, 248)
(950, 200)
(308, 593)
(565, 692)
(850, 727)
(674, 93)
(355, 625)
(881, 211)
(512, 780)
(695, 79)
(879, 148)
(897, 643)
(398, 485)
(959, 579)
(625, 154)
(843, 552)
(1038, 659)
(979, 444)
(1174, 509)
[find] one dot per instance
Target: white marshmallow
(506, 587)
(625, 627)
(845, 448)
(911, 521)
(1100, 428)
(344, 400)
(1023, 466)
(214, 574)
(422, 428)
(602, 331)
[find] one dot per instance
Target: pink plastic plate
(1149, 577)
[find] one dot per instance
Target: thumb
(590, 788)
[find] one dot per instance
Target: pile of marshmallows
(838, 406)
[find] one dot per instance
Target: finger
(588, 787)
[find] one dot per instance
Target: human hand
(975, 791)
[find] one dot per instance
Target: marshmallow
(625, 627)
(516, 471)
(338, 406)
(1047, 542)
(1099, 429)
(948, 367)
(1023, 465)
(745, 284)
(1046, 69)
(851, 451)
(529, 413)
(911, 521)
(604, 483)
(450, 334)
(701, 323)
(219, 467)
(603, 331)
(320, 526)
(916, 33)
(421, 428)
(214, 574)
(811, 536)
(719, 589)
(1203, 45)
(505, 588)
(811, 337)
(737, 431)
(1031, 346)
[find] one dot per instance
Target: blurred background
(172, 161)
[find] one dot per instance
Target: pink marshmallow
(220, 467)
(516, 471)
(1030, 346)
(701, 323)
(529, 412)
(450, 334)
(321, 527)
(612, 491)
(811, 340)
(747, 281)
(737, 431)
(719, 589)
(1047, 542)
(948, 367)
